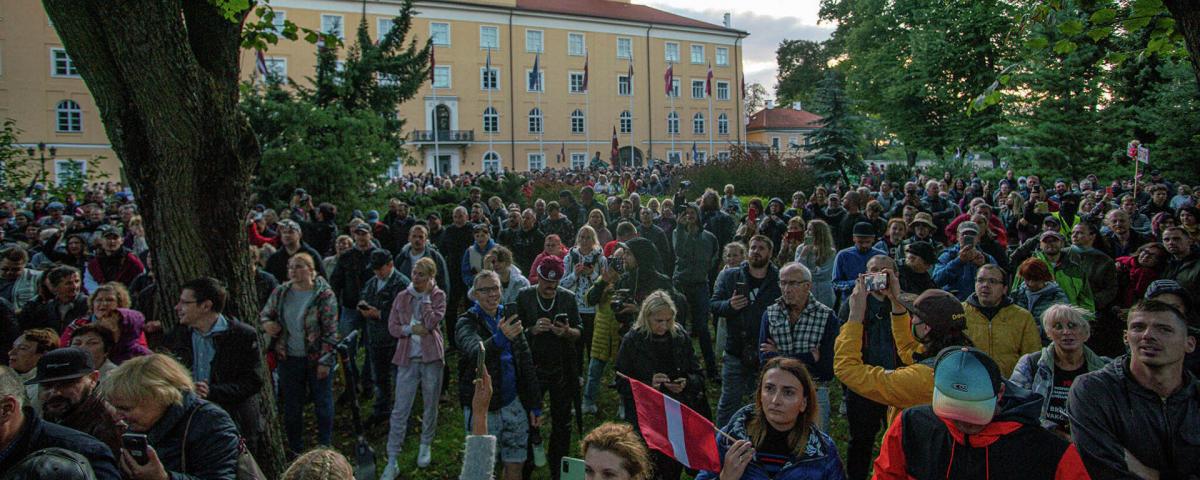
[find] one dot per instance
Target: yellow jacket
(1009, 335)
(904, 387)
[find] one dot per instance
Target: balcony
(442, 136)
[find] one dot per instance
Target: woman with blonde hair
(319, 464)
(614, 451)
(791, 240)
(188, 437)
(109, 306)
(657, 351)
(818, 256)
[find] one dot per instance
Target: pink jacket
(431, 311)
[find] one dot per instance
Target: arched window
(491, 162)
(535, 120)
(723, 124)
(673, 123)
(69, 117)
(626, 122)
(491, 120)
(577, 121)
(698, 123)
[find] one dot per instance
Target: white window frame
(722, 124)
(495, 117)
(667, 52)
(723, 155)
(722, 57)
(582, 122)
(341, 24)
(535, 47)
(573, 86)
(60, 168)
(675, 87)
(698, 89)
(273, 70)
(578, 160)
(538, 116)
(624, 89)
(673, 123)
(793, 141)
(541, 80)
(73, 116)
(692, 54)
(675, 157)
(699, 157)
(722, 86)
(571, 46)
(438, 73)
(625, 122)
(537, 157)
(494, 157)
(483, 86)
(69, 66)
(625, 52)
(279, 21)
(433, 34)
(703, 124)
(483, 42)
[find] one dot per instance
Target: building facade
(468, 118)
(781, 131)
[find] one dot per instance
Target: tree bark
(1187, 22)
(164, 75)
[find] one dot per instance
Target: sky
(767, 27)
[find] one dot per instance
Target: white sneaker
(391, 471)
(424, 456)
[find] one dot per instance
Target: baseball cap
(481, 227)
(55, 206)
(372, 216)
(922, 217)
(551, 268)
(864, 229)
(1053, 233)
(108, 231)
(1162, 287)
(62, 364)
(1051, 219)
(966, 385)
(938, 309)
(361, 227)
(924, 250)
(289, 224)
(968, 228)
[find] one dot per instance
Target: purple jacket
(132, 342)
(431, 311)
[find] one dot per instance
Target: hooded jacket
(1037, 302)
(1133, 279)
(819, 462)
(1035, 372)
(645, 279)
(1006, 336)
(404, 264)
(430, 310)
(1070, 277)
(1112, 414)
(920, 445)
(132, 342)
(472, 261)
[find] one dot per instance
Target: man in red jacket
(979, 427)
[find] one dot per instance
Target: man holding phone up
(550, 317)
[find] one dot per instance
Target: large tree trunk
(1187, 22)
(164, 75)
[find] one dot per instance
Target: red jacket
(1134, 279)
(995, 225)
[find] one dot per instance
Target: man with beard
(18, 284)
(1184, 266)
(67, 391)
(67, 305)
(526, 241)
(113, 263)
(400, 222)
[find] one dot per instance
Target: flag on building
(695, 153)
(631, 71)
(669, 78)
(743, 87)
(260, 63)
(585, 73)
(562, 153)
(708, 82)
(537, 78)
(674, 429)
(616, 149)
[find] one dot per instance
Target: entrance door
(442, 165)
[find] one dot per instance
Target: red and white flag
(708, 83)
(260, 63)
(616, 149)
(669, 78)
(674, 429)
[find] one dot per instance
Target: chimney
(797, 106)
(770, 104)
(728, 22)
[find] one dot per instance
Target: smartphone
(137, 445)
(561, 319)
(795, 236)
(510, 309)
(742, 289)
(573, 469)
(876, 281)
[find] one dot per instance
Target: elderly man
(957, 266)
(291, 238)
(18, 284)
(67, 382)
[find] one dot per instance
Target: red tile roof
(783, 118)
(617, 10)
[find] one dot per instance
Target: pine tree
(834, 145)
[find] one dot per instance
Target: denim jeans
(595, 372)
(298, 385)
(722, 334)
(381, 345)
(349, 321)
(823, 403)
(737, 382)
(697, 295)
(428, 377)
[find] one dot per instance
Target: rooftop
(783, 119)
(618, 10)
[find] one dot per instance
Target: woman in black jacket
(657, 351)
(188, 437)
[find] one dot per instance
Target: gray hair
(804, 271)
(11, 386)
(1068, 312)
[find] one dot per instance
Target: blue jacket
(212, 443)
(37, 434)
(848, 264)
(954, 276)
(820, 460)
(472, 261)
(743, 324)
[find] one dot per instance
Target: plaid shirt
(790, 339)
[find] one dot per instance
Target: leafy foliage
(773, 176)
(21, 172)
(835, 144)
(802, 65)
(756, 97)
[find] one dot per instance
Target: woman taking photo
(818, 257)
(778, 432)
(188, 437)
(1051, 371)
(658, 352)
(300, 320)
(110, 309)
(583, 265)
(416, 315)
(500, 260)
(792, 240)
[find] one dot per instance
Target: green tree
(834, 145)
(756, 98)
(802, 65)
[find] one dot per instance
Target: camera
(621, 298)
(876, 282)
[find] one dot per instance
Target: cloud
(766, 32)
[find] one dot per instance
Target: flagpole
(437, 154)
(587, 110)
(492, 134)
(631, 125)
(671, 95)
(711, 124)
(541, 131)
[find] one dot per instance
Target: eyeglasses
(792, 283)
(992, 281)
(488, 290)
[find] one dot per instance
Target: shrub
(764, 177)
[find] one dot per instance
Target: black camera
(617, 263)
(621, 298)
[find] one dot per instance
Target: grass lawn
(448, 444)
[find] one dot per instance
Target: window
(441, 77)
(674, 156)
(388, 80)
(700, 156)
(722, 90)
(775, 143)
(575, 44)
(385, 25)
(792, 143)
(722, 124)
(697, 88)
(624, 47)
(624, 86)
(70, 117)
(439, 33)
(626, 122)
(491, 162)
(491, 120)
(698, 123)
(537, 161)
(489, 37)
(332, 24)
(489, 79)
(722, 57)
(697, 54)
(278, 21)
(577, 121)
(535, 84)
(674, 87)
(535, 121)
(578, 161)
(276, 68)
(672, 52)
(575, 82)
(533, 41)
(673, 123)
(66, 170)
(62, 64)
(723, 155)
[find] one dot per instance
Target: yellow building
(782, 130)
(495, 120)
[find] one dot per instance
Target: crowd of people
(1003, 329)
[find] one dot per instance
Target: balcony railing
(450, 136)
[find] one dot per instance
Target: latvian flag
(674, 429)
